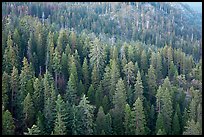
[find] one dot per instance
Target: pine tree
(100, 121)
(10, 56)
(167, 111)
(98, 96)
(71, 91)
(152, 120)
(5, 89)
(95, 77)
(106, 81)
(28, 108)
(158, 68)
(91, 94)
(108, 127)
(129, 73)
(151, 80)
(61, 117)
(40, 123)
(38, 95)
(192, 106)
(115, 75)
(192, 128)
(15, 91)
(105, 104)
(85, 73)
(73, 70)
(199, 117)
(175, 125)
(138, 88)
(50, 52)
(97, 54)
(138, 117)
(119, 98)
(56, 65)
(8, 126)
(49, 101)
(85, 122)
(26, 79)
(144, 64)
(64, 63)
(128, 120)
(159, 123)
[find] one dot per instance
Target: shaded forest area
(101, 69)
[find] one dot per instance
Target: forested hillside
(81, 68)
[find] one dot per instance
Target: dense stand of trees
(67, 69)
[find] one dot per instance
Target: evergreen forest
(101, 68)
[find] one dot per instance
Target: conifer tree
(5, 89)
(85, 73)
(100, 121)
(151, 80)
(192, 128)
(138, 88)
(175, 125)
(85, 122)
(28, 108)
(129, 73)
(8, 126)
(128, 120)
(138, 118)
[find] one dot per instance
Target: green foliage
(100, 121)
(28, 108)
(139, 121)
(130, 70)
(8, 126)
(138, 88)
(34, 130)
(129, 73)
(175, 125)
(61, 117)
(192, 128)
(128, 120)
(5, 89)
(85, 122)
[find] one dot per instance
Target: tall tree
(85, 73)
(108, 127)
(28, 108)
(175, 125)
(95, 78)
(100, 121)
(10, 57)
(159, 123)
(144, 63)
(5, 89)
(119, 102)
(85, 122)
(38, 95)
(138, 88)
(128, 120)
(115, 75)
(57, 65)
(139, 118)
(97, 54)
(151, 80)
(129, 73)
(192, 128)
(61, 117)
(8, 126)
